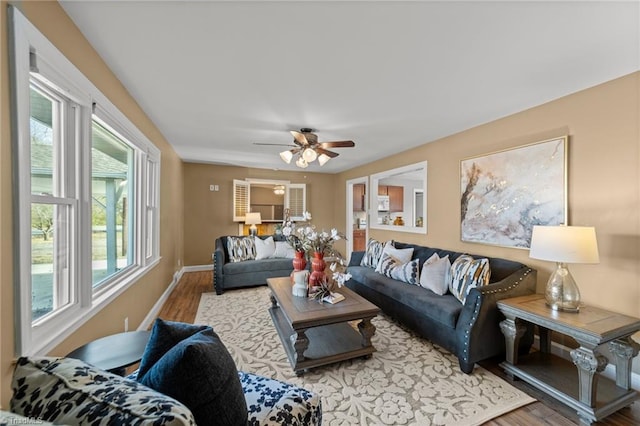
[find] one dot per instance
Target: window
(87, 194)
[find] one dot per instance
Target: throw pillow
(467, 273)
(70, 391)
(401, 255)
(199, 372)
(405, 272)
(373, 253)
(434, 274)
(284, 250)
(264, 248)
(241, 248)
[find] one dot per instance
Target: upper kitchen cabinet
(358, 197)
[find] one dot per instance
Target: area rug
(408, 381)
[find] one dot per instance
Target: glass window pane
(43, 126)
(50, 288)
(111, 183)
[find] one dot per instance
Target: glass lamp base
(562, 293)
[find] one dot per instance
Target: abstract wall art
(506, 193)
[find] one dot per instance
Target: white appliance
(383, 203)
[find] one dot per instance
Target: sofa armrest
(218, 263)
(478, 330)
(356, 258)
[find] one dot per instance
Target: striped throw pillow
(405, 272)
(373, 253)
(467, 273)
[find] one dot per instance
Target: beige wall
(136, 302)
(604, 187)
(208, 215)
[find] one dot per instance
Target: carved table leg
(513, 330)
(300, 343)
(589, 362)
(367, 330)
(624, 350)
(274, 302)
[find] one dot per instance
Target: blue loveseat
(246, 273)
(471, 330)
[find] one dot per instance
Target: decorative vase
(299, 262)
(318, 266)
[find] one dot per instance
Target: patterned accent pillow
(70, 391)
(241, 248)
(467, 273)
(373, 253)
(405, 272)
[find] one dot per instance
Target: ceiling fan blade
(299, 138)
(276, 144)
(325, 152)
(338, 144)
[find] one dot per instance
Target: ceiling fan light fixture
(286, 156)
(278, 190)
(323, 158)
(302, 163)
(309, 155)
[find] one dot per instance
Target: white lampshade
(253, 218)
(301, 162)
(309, 155)
(323, 158)
(286, 156)
(566, 244)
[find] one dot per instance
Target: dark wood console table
(576, 383)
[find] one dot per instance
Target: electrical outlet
(212, 188)
(126, 324)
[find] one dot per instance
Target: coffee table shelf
(315, 334)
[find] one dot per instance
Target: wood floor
(182, 305)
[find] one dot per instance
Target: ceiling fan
(306, 146)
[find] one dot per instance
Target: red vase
(299, 262)
(317, 269)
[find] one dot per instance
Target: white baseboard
(609, 371)
(198, 268)
(153, 313)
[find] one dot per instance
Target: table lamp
(253, 219)
(564, 244)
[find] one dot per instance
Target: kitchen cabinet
(359, 239)
(358, 197)
(396, 196)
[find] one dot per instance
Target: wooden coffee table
(315, 334)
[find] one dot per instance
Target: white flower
(306, 216)
(333, 266)
(286, 231)
(335, 235)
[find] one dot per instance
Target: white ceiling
(215, 76)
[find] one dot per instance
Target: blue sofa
(247, 273)
(470, 331)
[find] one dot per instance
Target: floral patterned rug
(408, 381)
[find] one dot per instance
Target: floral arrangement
(306, 239)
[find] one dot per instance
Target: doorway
(357, 214)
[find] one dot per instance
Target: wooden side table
(592, 395)
(114, 353)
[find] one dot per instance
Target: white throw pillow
(284, 250)
(400, 255)
(434, 274)
(264, 248)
